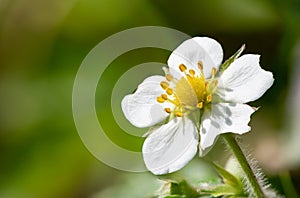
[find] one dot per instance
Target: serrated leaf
(227, 177)
(227, 63)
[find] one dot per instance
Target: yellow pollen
(200, 105)
(179, 114)
(208, 98)
(164, 96)
(213, 71)
(169, 91)
(192, 72)
(164, 84)
(168, 110)
(200, 65)
(160, 99)
(182, 67)
(169, 77)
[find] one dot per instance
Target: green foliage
(231, 186)
(176, 186)
(228, 178)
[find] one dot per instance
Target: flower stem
(287, 185)
(250, 176)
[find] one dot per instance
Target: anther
(208, 98)
(160, 99)
(169, 77)
(169, 91)
(164, 96)
(164, 84)
(192, 72)
(168, 110)
(216, 83)
(189, 77)
(179, 114)
(213, 71)
(182, 67)
(200, 105)
(200, 65)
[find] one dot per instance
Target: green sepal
(232, 184)
(227, 63)
(227, 177)
(184, 189)
(221, 190)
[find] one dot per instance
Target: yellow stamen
(175, 102)
(208, 98)
(213, 71)
(192, 72)
(200, 65)
(164, 84)
(169, 77)
(168, 110)
(160, 99)
(200, 105)
(169, 91)
(182, 67)
(179, 114)
(189, 77)
(216, 83)
(190, 92)
(164, 96)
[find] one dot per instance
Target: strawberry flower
(197, 100)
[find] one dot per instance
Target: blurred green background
(42, 44)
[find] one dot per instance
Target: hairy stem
(238, 153)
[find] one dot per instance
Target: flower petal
(204, 49)
(141, 108)
(171, 146)
(223, 118)
(244, 80)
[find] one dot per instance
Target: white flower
(194, 103)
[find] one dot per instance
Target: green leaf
(227, 63)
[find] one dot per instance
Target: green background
(42, 44)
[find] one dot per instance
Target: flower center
(192, 91)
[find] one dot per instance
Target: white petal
(208, 50)
(141, 108)
(244, 80)
(171, 146)
(223, 118)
